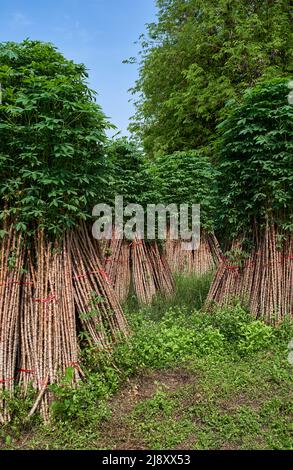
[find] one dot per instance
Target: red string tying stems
(25, 371)
(3, 381)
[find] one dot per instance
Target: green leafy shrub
(18, 408)
(84, 404)
(230, 321)
(52, 134)
(254, 152)
(174, 339)
(284, 331)
(157, 346)
(255, 336)
(209, 341)
(127, 173)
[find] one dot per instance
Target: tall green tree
(198, 55)
(52, 134)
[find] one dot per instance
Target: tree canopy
(198, 55)
(51, 138)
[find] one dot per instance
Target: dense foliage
(51, 136)
(181, 178)
(255, 158)
(127, 173)
(186, 178)
(198, 55)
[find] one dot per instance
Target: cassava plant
(52, 163)
(255, 163)
(139, 263)
(51, 138)
(189, 178)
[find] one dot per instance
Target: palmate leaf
(20, 227)
(14, 110)
(7, 53)
(256, 170)
(51, 131)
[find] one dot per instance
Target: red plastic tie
(41, 382)
(108, 260)
(3, 381)
(259, 253)
(25, 371)
(74, 364)
(249, 264)
(20, 283)
(232, 268)
(100, 271)
(15, 281)
(80, 276)
(104, 274)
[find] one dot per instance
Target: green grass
(185, 380)
(190, 293)
(235, 400)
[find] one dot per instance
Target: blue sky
(99, 33)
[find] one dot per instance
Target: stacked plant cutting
(52, 283)
(256, 170)
(137, 264)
